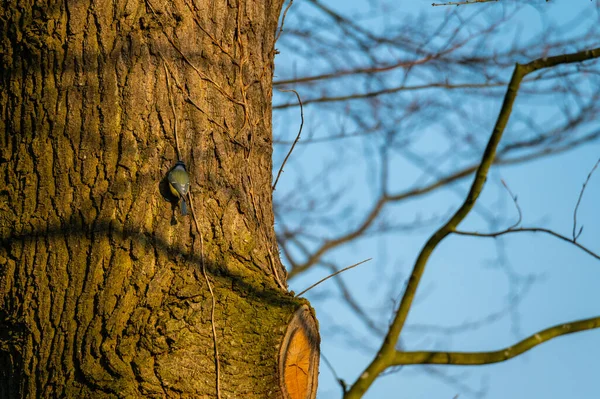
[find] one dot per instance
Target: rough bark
(101, 285)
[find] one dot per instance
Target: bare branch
(392, 90)
(478, 358)
(529, 230)
(386, 354)
(377, 208)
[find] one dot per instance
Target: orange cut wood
(297, 366)
(299, 356)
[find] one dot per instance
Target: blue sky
(553, 281)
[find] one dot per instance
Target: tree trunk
(102, 284)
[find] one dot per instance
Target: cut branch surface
(299, 356)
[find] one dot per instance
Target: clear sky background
(540, 280)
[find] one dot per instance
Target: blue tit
(179, 184)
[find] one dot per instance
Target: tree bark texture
(101, 286)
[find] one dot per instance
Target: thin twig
(353, 303)
(338, 379)
(514, 198)
(528, 230)
(576, 235)
(297, 137)
(460, 3)
(332, 275)
(170, 95)
(283, 20)
(212, 295)
(392, 90)
(379, 205)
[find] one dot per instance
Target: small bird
(179, 184)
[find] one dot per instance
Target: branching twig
(377, 208)
(529, 230)
(297, 137)
(386, 355)
(332, 275)
(514, 229)
(576, 235)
